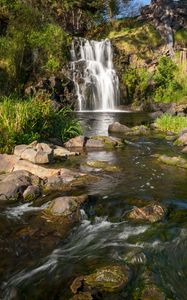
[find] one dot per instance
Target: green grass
(23, 121)
(171, 123)
(181, 37)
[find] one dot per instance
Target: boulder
(13, 186)
(173, 161)
(19, 149)
(151, 213)
(32, 193)
(77, 142)
(116, 127)
(66, 206)
(7, 162)
(182, 140)
(61, 152)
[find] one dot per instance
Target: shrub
(168, 86)
(137, 83)
(171, 123)
(22, 121)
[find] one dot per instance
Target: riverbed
(37, 263)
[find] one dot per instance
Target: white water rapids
(96, 82)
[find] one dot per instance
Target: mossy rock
(82, 296)
(104, 165)
(108, 279)
(109, 142)
(177, 161)
(150, 213)
(152, 292)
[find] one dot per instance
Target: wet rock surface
(151, 213)
(177, 161)
(107, 279)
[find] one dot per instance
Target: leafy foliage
(25, 121)
(137, 83)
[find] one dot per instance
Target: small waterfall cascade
(96, 82)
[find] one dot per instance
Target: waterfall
(96, 82)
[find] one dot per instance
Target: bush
(137, 83)
(168, 87)
(171, 123)
(23, 121)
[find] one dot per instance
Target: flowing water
(96, 82)
(36, 263)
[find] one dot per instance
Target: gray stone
(13, 185)
(116, 127)
(65, 206)
(77, 142)
(32, 192)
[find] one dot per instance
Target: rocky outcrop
(151, 213)
(167, 16)
(61, 90)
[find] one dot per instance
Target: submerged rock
(102, 165)
(173, 161)
(82, 296)
(152, 292)
(135, 257)
(106, 279)
(151, 213)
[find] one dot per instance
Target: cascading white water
(96, 82)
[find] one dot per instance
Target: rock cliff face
(167, 16)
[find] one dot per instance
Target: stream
(37, 263)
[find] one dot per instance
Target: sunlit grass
(171, 123)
